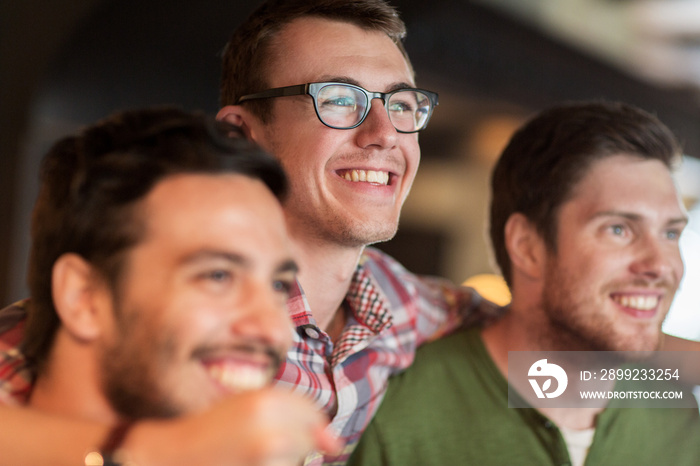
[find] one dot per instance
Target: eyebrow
(347, 80)
(206, 254)
(288, 266)
(636, 217)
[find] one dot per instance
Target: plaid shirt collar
(366, 302)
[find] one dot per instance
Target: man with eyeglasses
(327, 88)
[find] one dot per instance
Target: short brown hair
(247, 53)
(91, 185)
(545, 159)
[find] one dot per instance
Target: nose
(658, 259)
(377, 129)
(261, 314)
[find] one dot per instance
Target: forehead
(225, 211)
(630, 184)
(313, 49)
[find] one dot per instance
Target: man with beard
(584, 221)
(159, 273)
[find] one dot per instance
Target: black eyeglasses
(345, 106)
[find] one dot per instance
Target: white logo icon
(543, 369)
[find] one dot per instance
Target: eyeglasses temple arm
(299, 89)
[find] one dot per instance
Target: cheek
(300, 162)
(190, 315)
(678, 268)
(586, 268)
(597, 269)
(197, 319)
(411, 151)
(297, 140)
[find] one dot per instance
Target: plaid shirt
(15, 373)
(390, 311)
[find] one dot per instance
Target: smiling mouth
(637, 302)
(380, 178)
(236, 377)
(241, 368)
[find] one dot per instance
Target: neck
(325, 274)
(520, 329)
(69, 383)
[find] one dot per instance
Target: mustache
(275, 355)
(650, 283)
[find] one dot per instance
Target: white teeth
(642, 303)
(239, 378)
(651, 302)
(369, 176)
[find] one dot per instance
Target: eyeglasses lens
(408, 110)
(341, 106)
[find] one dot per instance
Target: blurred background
(66, 63)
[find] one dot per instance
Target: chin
(366, 236)
(382, 238)
(639, 343)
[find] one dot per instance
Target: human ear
(238, 116)
(525, 246)
(78, 296)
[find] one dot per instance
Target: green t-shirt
(451, 408)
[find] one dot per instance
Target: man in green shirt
(585, 222)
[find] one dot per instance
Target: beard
(130, 379)
(575, 320)
(329, 226)
(140, 376)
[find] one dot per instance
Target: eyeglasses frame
(313, 89)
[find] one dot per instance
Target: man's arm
(28, 437)
(461, 306)
(252, 428)
(437, 305)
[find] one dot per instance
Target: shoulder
(378, 261)
(12, 319)
(441, 371)
(653, 435)
(390, 274)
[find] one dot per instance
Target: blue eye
(341, 101)
(282, 286)
(218, 275)
(400, 107)
(617, 230)
(215, 280)
(673, 234)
